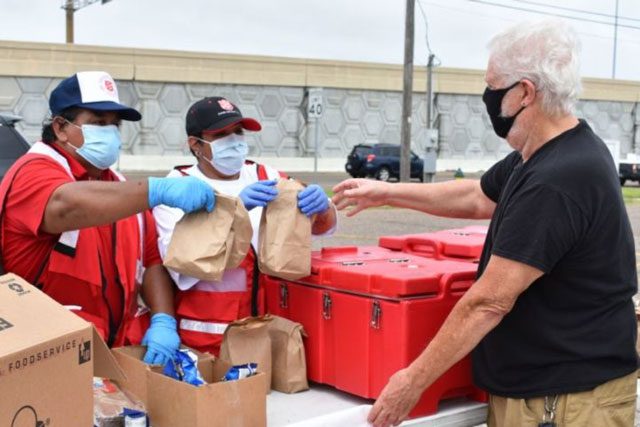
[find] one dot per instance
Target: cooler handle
(450, 279)
(338, 250)
(284, 295)
(326, 306)
(414, 244)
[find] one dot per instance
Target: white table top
(306, 407)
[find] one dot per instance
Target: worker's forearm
(452, 199)
(463, 329)
(324, 221)
(85, 204)
(158, 290)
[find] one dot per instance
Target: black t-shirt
(574, 328)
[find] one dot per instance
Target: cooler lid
(332, 257)
(465, 243)
(409, 276)
(349, 254)
(459, 243)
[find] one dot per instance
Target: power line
(426, 26)
(503, 18)
(552, 14)
(569, 9)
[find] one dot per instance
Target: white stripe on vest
(206, 327)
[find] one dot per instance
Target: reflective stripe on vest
(204, 327)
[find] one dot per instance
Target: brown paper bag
(247, 341)
(285, 235)
(204, 245)
(242, 232)
(289, 367)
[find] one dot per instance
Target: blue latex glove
(258, 194)
(187, 193)
(161, 339)
(313, 200)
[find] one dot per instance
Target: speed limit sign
(315, 107)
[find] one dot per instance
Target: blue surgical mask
(101, 145)
(228, 153)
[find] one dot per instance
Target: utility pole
(615, 43)
(407, 89)
(70, 7)
(430, 89)
(69, 11)
(431, 154)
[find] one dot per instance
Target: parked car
(12, 144)
(629, 169)
(380, 161)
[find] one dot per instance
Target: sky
(352, 30)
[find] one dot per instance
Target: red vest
(72, 272)
(203, 316)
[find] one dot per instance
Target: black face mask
(492, 99)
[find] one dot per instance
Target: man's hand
(161, 339)
(187, 193)
(313, 200)
(258, 194)
(361, 194)
(398, 397)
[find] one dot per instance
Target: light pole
(407, 89)
(70, 7)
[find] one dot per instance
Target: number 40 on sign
(315, 107)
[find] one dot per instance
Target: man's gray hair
(546, 53)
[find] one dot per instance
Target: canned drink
(135, 420)
(238, 372)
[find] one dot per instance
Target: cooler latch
(284, 295)
(376, 314)
(326, 305)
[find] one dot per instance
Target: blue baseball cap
(92, 90)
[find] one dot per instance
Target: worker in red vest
(215, 129)
(73, 227)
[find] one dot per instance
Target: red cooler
(366, 319)
(329, 258)
(456, 244)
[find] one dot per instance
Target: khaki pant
(610, 404)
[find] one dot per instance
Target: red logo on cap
(225, 105)
(108, 85)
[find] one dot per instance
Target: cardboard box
(173, 403)
(130, 360)
(48, 357)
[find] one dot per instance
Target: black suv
(629, 171)
(12, 144)
(380, 161)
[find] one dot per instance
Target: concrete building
(362, 103)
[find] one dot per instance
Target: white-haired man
(550, 319)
